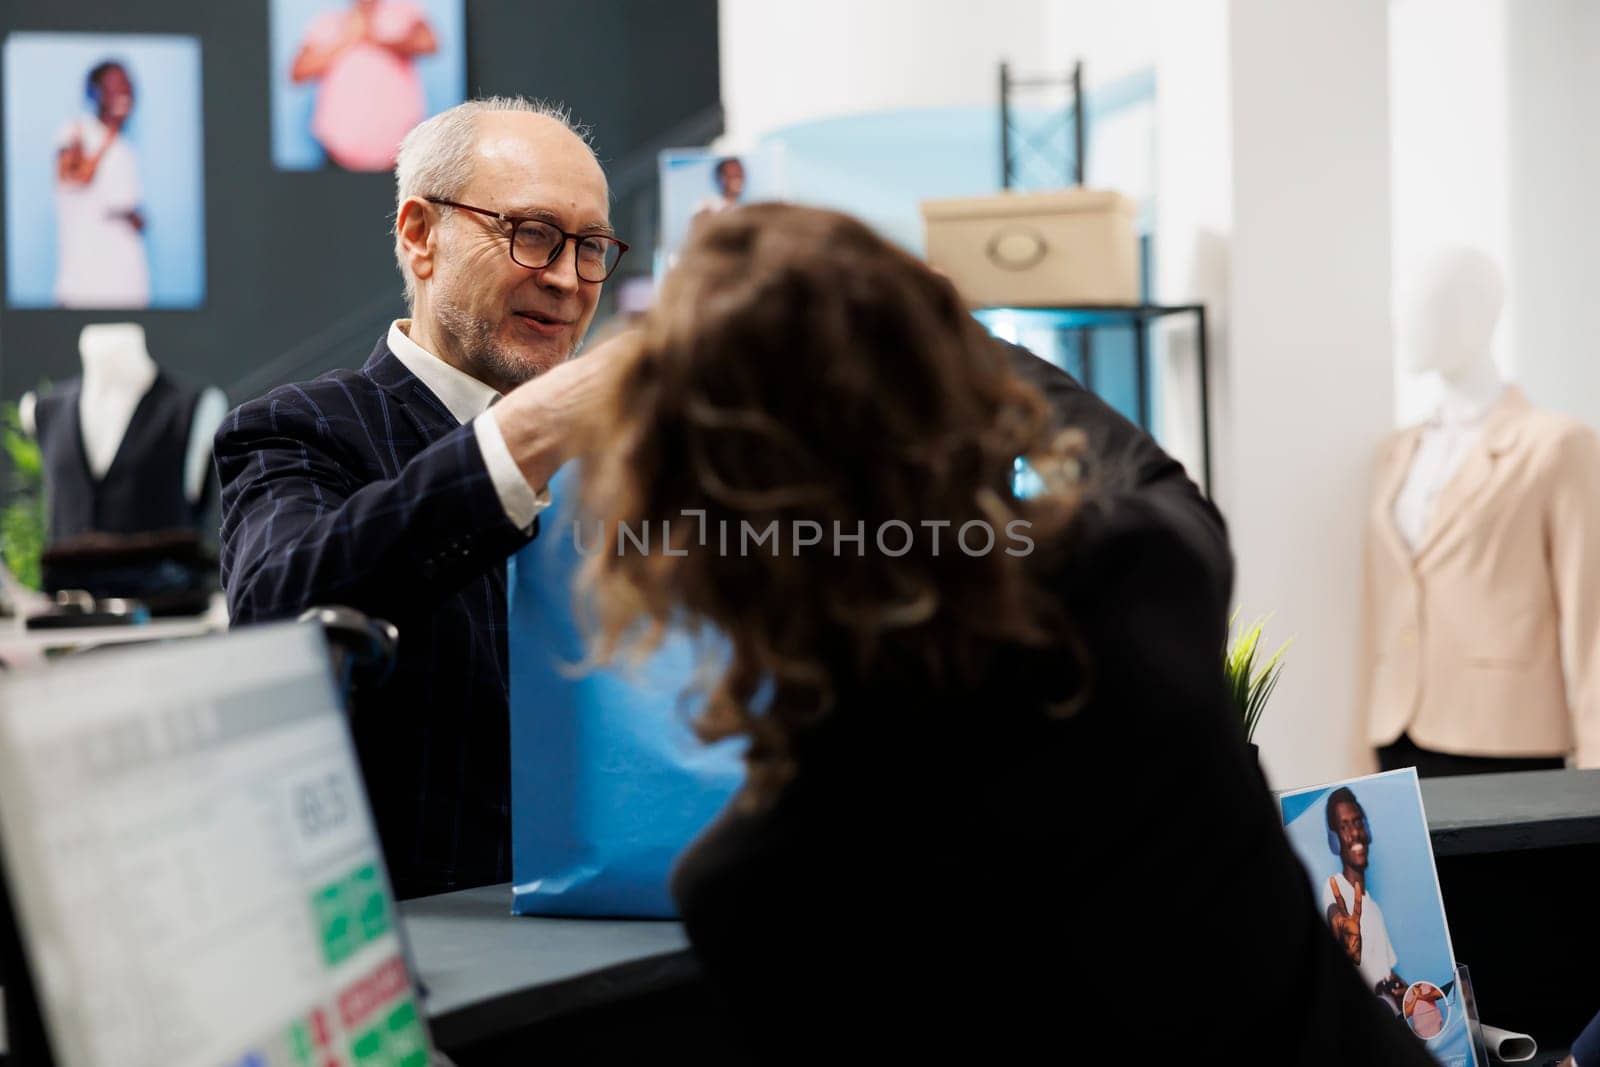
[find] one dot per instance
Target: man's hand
(70, 163)
(1346, 924)
(542, 419)
(75, 166)
(419, 40)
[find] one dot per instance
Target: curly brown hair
(800, 369)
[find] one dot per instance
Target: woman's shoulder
(746, 853)
(1143, 545)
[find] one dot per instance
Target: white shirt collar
(464, 396)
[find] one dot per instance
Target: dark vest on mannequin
(143, 491)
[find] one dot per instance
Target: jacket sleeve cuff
(521, 502)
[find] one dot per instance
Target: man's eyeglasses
(537, 244)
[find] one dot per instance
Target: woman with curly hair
(995, 795)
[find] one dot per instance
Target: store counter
(1489, 813)
(488, 972)
(1516, 854)
(1513, 853)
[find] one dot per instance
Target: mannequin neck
(115, 360)
(1470, 390)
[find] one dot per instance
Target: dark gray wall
(305, 259)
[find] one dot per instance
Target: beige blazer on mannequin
(1487, 641)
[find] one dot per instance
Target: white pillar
(1552, 142)
(1310, 384)
(1193, 213)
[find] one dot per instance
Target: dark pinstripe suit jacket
(360, 488)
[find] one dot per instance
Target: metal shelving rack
(1013, 137)
(1019, 147)
(1138, 318)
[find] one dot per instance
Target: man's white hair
(435, 158)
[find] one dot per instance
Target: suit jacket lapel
(1461, 495)
(1397, 464)
(425, 411)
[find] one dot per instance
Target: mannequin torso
(1446, 440)
(117, 373)
(1479, 650)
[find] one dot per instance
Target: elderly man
(396, 489)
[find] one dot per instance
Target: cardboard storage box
(1066, 246)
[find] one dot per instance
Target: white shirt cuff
(518, 498)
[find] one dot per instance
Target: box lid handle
(1017, 248)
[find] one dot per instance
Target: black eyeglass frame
(517, 221)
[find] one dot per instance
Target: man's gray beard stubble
(491, 361)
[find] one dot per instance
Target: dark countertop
(488, 971)
(1509, 812)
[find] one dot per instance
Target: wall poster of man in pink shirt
(366, 71)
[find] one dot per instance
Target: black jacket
(958, 872)
(360, 488)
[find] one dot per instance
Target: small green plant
(1249, 685)
(22, 518)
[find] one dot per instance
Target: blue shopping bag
(608, 781)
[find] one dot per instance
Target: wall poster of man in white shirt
(104, 171)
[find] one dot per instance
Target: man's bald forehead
(511, 135)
